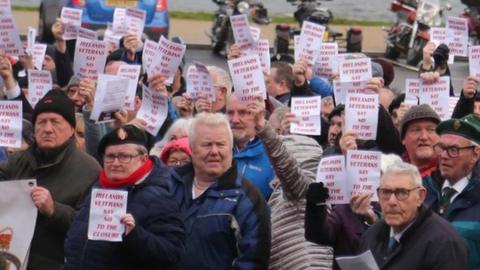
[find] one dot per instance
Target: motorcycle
(398, 37)
(310, 10)
(221, 31)
(472, 14)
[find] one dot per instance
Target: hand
(470, 85)
(348, 141)
(257, 109)
(301, 72)
(129, 223)
(42, 199)
(131, 43)
(122, 117)
(286, 121)
(184, 105)
(427, 54)
(360, 205)
(139, 123)
(375, 84)
(401, 111)
(6, 72)
(87, 90)
(430, 77)
(203, 105)
(157, 84)
(234, 52)
(334, 76)
(317, 194)
(58, 29)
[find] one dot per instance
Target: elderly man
(227, 220)
(454, 192)
(417, 130)
(249, 153)
(148, 240)
(410, 236)
(63, 174)
(280, 82)
(223, 89)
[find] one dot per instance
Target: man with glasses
(454, 191)
(410, 236)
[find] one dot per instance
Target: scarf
(129, 180)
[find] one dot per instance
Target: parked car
(97, 13)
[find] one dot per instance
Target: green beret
(467, 127)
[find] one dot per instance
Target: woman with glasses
(177, 153)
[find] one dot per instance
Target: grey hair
(210, 120)
(142, 150)
(327, 100)
(277, 116)
(404, 168)
(223, 78)
(182, 125)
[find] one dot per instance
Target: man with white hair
(410, 236)
(223, 88)
(227, 219)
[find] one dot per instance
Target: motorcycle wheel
(392, 53)
(415, 54)
(220, 40)
(281, 46)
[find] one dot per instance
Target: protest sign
(361, 115)
(452, 102)
(456, 36)
(354, 70)
(148, 56)
(364, 261)
(87, 33)
(437, 35)
(247, 77)
(135, 21)
(436, 95)
(363, 172)
(118, 24)
(412, 91)
(90, 58)
(38, 55)
(311, 37)
(307, 112)
(199, 82)
(241, 30)
(255, 31)
(262, 49)
(331, 172)
(39, 83)
(326, 64)
(18, 215)
(109, 97)
(154, 110)
(130, 72)
(111, 39)
(107, 207)
(31, 36)
(72, 20)
(5, 6)
(342, 89)
(9, 39)
(167, 59)
(11, 124)
(474, 61)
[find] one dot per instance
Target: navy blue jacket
(156, 242)
(227, 227)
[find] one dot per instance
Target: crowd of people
(224, 185)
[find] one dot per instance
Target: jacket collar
(252, 149)
(185, 174)
(37, 162)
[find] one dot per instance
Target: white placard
(109, 97)
(241, 30)
(199, 82)
(38, 55)
(17, 218)
(131, 72)
(326, 64)
(474, 61)
(5, 6)
(311, 38)
(111, 39)
(72, 19)
(436, 95)
(107, 207)
(87, 33)
(167, 60)
(364, 261)
(262, 49)
(412, 91)
(10, 124)
(9, 39)
(154, 110)
(90, 58)
(363, 172)
(341, 89)
(255, 31)
(39, 83)
(457, 36)
(148, 56)
(135, 20)
(361, 115)
(307, 112)
(247, 77)
(354, 70)
(452, 102)
(31, 36)
(119, 25)
(331, 172)
(437, 35)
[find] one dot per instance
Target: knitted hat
(467, 127)
(124, 135)
(56, 101)
(181, 144)
(419, 112)
(377, 70)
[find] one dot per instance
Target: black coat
(430, 243)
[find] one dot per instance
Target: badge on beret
(122, 134)
(456, 124)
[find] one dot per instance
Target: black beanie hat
(56, 101)
(123, 135)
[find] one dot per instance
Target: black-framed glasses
(453, 151)
(400, 193)
(122, 158)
